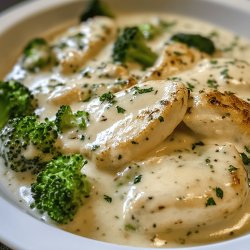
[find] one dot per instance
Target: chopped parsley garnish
(214, 34)
(177, 53)
(232, 168)
(199, 143)
(161, 119)
(107, 198)
(210, 202)
(219, 192)
(212, 83)
(108, 97)
(207, 160)
(247, 149)
(175, 79)
(95, 147)
(139, 91)
(134, 142)
(224, 73)
(137, 179)
(245, 159)
(213, 61)
(120, 110)
(190, 86)
(130, 227)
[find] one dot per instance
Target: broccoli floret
(151, 31)
(60, 188)
(199, 42)
(130, 46)
(66, 119)
(36, 55)
(15, 101)
(20, 135)
(96, 8)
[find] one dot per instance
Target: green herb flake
(224, 73)
(212, 83)
(247, 149)
(120, 110)
(108, 97)
(161, 119)
(199, 143)
(232, 169)
(190, 86)
(219, 192)
(214, 34)
(245, 159)
(210, 202)
(130, 227)
(95, 147)
(107, 198)
(134, 142)
(213, 62)
(139, 91)
(177, 53)
(137, 179)
(207, 160)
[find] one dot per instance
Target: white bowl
(20, 230)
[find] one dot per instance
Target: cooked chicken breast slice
(152, 111)
(82, 90)
(83, 42)
(222, 74)
(126, 125)
(175, 58)
(202, 187)
(219, 115)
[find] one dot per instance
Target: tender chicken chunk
(202, 187)
(83, 42)
(67, 95)
(129, 123)
(175, 58)
(215, 114)
(82, 90)
(223, 74)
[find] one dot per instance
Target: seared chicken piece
(81, 90)
(175, 58)
(128, 124)
(83, 43)
(223, 74)
(67, 95)
(128, 134)
(202, 187)
(215, 114)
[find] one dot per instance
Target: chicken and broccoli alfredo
(131, 128)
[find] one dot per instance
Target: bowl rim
(14, 219)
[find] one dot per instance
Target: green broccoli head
(27, 134)
(36, 55)
(130, 46)
(199, 42)
(66, 119)
(151, 31)
(60, 188)
(96, 8)
(15, 101)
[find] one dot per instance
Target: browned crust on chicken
(229, 104)
(175, 58)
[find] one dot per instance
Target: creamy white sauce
(109, 222)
